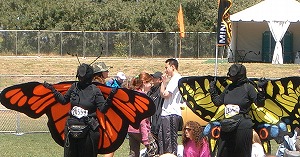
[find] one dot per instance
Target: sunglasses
(188, 129)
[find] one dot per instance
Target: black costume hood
(85, 74)
(237, 73)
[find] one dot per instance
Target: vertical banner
(224, 23)
(180, 22)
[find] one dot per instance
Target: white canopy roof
(277, 13)
(270, 10)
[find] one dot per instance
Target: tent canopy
(270, 10)
(277, 13)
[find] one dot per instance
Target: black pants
(236, 144)
(167, 135)
(81, 147)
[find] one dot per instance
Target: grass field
(187, 67)
(24, 69)
(39, 145)
(42, 145)
(16, 70)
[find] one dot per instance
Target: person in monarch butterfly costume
(237, 98)
(102, 113)
(81, 129)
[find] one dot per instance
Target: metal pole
(16, 43)
(83, 44)
(198, 46)
(179, 47)
(61, 44)
(152, 45)
(129, 38)
(106, 45)
(216, 60)
(176, 46)
(39, 46)
(18, 123)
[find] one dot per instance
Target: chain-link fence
(119, 44)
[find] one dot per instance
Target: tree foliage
(113, 15)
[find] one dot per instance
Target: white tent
(276, 16)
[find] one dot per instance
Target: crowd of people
(159, 133)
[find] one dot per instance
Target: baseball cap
(100, 67)
(157, 74)
(121, 75)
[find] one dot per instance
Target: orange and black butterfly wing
(57, 114)
(26, 98)
(34, 100)
(113, 130)
(128, 108)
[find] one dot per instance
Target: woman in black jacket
(237, 98)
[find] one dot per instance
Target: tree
(112, 15)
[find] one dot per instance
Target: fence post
(129, 44)
(18, 128)
(106, 45)
(39, 33)
(16, 42)
(198, 45)
(175, 45)
(61, 44)
(152, 46)
(83, 43)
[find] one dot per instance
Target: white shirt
(172, 104)
(257, 150)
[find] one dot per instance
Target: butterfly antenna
(98, 56)
(76, 57)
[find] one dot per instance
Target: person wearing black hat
(81, 130)
(154, 94)
(236, 138)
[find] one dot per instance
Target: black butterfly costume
(128, 108)
(277, 118)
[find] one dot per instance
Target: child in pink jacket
(142, 83)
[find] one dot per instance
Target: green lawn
(42, 145)
(38, 145)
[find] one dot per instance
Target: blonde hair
(255, 138)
